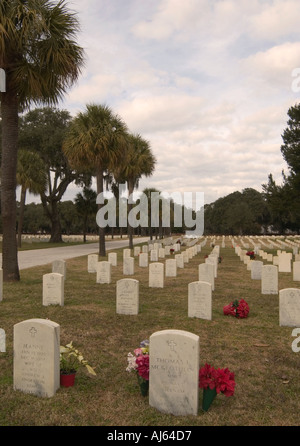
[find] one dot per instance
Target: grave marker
(37, 357)
(156, 275)
(174, 372)
(126, 252)
(200, 300)
(296, 271)
(206, 274)
(1, 284)
(92, 263)
(256, 267)
(179, 260)
(269, 279)
(127, 296)
(143, 260)
(154, 255)
(284, 262)
(128, 266)
(171, 268)
(112, 258)
(289, 307)
(136, 251)
(53, 289)
(2, 341)
(103, 272)
(59, 266)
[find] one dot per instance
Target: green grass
(256, 349)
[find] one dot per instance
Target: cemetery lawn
(256, 349)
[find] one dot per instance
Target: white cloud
(276, 19)
(207, 82)
(274, 66)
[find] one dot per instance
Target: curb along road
(38, 257)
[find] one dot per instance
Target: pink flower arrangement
(220, 379)
(237, 308)
(140, 360)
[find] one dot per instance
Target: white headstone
(59, 266)
(2, 341)
(206, 274)
(143, 260)
(289, 307)
(171, 268)
(269, 279)
(127, 296)
(103, 272)
(200, 300)
(174, 372)
(2, 81)
(1, 284)
(53, 289)
(37, 357)
(126, 252)
(161, 253)
(296, 271)
(156, 275)
(154, 255)
(136, 251)
(112, 258)
(92, 262)
(256, 267)
(213, 260)
(128, 266)
(284, 263)
(185, 255)
(179, 260)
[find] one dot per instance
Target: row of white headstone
(289, 298)
(173, 375)
(199, 292)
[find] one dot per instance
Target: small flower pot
(208, 397)
(67, 380)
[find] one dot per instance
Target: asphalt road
(37, 257)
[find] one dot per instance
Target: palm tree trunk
(21, 215)
(84, 228)
(9, 111)
(130, 206)
(102, 252)
(55, 224)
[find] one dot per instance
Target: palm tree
(95, 143)
(157, 230)
(139, 161)
(86, 206)
(41, 61)
(31, 176)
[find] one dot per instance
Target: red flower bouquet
(220, 379)
(237, 308)
(250, 254)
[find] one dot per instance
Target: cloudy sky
(207, 82)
